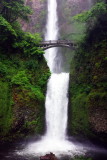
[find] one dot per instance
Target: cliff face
(88, 92)
(23, 77)
(22, 97)
(37, 20)
(69, 29)
(87, 108)
(66, 10)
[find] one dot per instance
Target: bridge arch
(57, 43)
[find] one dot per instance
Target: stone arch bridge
(57, 43)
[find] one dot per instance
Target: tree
(12, 38)
(11, 10)
(96, 22)
(7, 35)
(27, 44)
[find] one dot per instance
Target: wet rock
(38, 18)
(50, 156)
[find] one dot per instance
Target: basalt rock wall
(87, 105)
(37, 20)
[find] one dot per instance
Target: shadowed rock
(50, 156)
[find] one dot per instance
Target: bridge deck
(57, 43)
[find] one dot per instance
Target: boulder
(50, 156)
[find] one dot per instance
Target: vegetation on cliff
(81, 158)
(37, 20)
(23, 74)
(88, 86)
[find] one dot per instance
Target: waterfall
(51, 32)
(56, 98)
(56, 104)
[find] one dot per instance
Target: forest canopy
(12, 38)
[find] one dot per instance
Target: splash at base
(58, 147)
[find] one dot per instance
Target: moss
(23, 87)
(88, 88)
(79, 114)
(81, 158)
(34, 126)
(97, 100)
(5, 108)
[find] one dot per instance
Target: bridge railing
(56, 42)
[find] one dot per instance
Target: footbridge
(57, 43)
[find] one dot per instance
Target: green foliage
(28, 44)
(30, 124)
(37, 92)
(98, 98)
(31, 64)
(3, 69)
(23, 73)
(97, 65)
(81, 158)
(7, 35)
(20, 79)
(43, 79)
(27, 87)
(6, 27)
(79, 119)
(88, 87)
(5, 108)
(12, 38)
(12, 10)
(78, 32)
(95, 22)
(91, 15)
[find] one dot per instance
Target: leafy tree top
(96, 11)
(11, 10)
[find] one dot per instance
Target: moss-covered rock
(6, 118)
(88, 92)
(81, 158)
(22, 96)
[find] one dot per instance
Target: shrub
(20, 79)
(5, 109)
(3, 69)
(31, 64)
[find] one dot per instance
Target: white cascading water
(51, 32)
(56, 106)
(56, 100)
